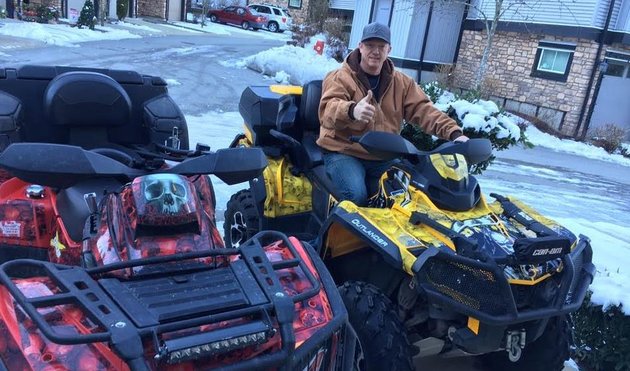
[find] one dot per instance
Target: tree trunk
(490, 31)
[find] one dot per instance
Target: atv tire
(380, 332)
(548, 352)
(241, 219)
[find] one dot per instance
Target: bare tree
(102, 11)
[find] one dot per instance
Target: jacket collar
(353, 61)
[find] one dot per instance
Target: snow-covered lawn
(62, 34)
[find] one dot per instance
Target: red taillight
(284, 20)
(259, 19)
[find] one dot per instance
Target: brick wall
(152, 8)
(509, 71)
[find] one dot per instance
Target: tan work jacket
(400, 98)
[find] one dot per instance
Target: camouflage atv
(112, 259)
(431, 264)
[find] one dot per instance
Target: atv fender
(346, 232)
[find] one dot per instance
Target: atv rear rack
(130, 310)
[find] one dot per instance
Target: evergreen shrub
(87, 17)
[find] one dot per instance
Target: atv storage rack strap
(512, 211)
(147, 306)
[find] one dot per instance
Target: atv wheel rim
(238, 230)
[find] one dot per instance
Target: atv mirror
(387, 146)
(231, 165)
(60, 165)
(475, 150)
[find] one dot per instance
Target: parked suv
(279, 18)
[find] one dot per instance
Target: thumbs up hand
(364, 111)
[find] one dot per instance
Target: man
(368, 94)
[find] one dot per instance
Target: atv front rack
(479, 289)
(127, 311)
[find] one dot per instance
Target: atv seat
(88, 107)
(310, 156)
(87, 104)
(308, 120)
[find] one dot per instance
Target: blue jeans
(349, 175)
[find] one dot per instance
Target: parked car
(279, 18)
(239, 15)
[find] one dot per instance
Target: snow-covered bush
(336, 39)
(87, 17)
(624, 150)
(601, 337)
(122, 9)
(3, 13)
(478, 119)
(335, 46)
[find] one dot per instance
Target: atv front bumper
(481, 290)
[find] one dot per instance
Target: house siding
(342, 4)
(444, 32)
(601, 12)
(568, 12)
(359, 20)
(622, 21)
(401, 22)
(556, 103)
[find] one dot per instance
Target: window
(295, 3)
(277, 11)
(616, 69)
(261, 9)
(617, 63)
(553, 60)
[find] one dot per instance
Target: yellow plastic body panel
(450, 166)
(286, 89)
(286, 194)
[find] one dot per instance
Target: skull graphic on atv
(111, 255)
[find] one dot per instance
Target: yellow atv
(431, 266)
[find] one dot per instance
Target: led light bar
(214, 342)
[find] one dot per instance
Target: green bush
(602, 337)
(3, 13)
(46, 13)
(500, 142)
(122, 9)
(87, 17)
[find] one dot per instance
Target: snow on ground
(539, 138)
(297, 65)
(221, 29)
(63, 34)
(137, 27)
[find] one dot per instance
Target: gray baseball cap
(376, 30)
